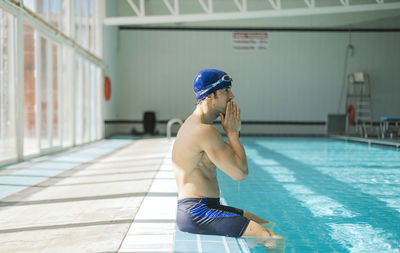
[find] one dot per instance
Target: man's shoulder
(194, 137)
(208, 136)
(207, 129)
(198, 128)
(199, 132)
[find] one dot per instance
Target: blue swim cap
(208, 81)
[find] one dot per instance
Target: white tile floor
(123, 202)
(90, 207)
(153, 228)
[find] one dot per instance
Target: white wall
(110, 56)
(111, 44)
(299, 77)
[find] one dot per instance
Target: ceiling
(292, 13)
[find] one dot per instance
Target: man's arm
(229, 157)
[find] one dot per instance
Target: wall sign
(250, 41)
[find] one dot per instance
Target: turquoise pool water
(324, 195)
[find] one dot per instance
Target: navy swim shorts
(208, 216)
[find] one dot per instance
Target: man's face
(224, 95)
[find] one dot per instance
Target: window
(55, 12)
(30, 4)
(91, 26)
(84, 23)
(78, 21)
(60, 100)
(31, 142)
(67, 88)
(55, 98)
(98, 97)
(92, 105)
(78, 100)
(85, 101)
(7, 88)
(45, 101)
(42, 9)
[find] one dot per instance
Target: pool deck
(370, 141)
(101, 198)
(111, 196)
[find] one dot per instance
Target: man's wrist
(232, 133)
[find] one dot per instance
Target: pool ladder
(169, 125)
(360, 95)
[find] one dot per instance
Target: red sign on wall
(250, 41)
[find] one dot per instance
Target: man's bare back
(196, 175)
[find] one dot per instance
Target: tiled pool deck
(112, 196)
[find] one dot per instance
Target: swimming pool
(324, 195)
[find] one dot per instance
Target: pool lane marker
(319, 205)
(199, 249)
(225, 245)
(243, 246)
(365, 178)
(361, 237)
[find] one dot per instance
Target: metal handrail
(169, 125)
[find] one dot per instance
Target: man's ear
(209, 100)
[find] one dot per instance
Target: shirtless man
(198, 149)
